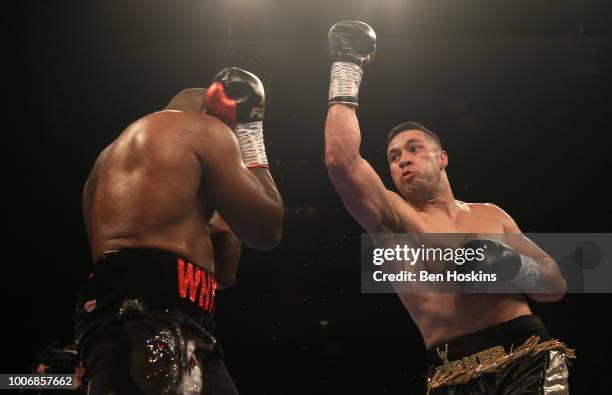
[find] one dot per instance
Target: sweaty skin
(426, 205)
(171, 181)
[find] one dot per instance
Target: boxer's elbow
(546, 297)
(333, 162)
(553, 294)
(562, 287)
(275, 226)
(338, 165)
(264, 240)
(225, 280)
(269, 233)
(555, 297)
(560, 291)
(272, 240)
(340, 154)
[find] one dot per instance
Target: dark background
(518, 91)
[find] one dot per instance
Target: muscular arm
(552, 280)
(359, 187)
(246, 199)
(226, 248)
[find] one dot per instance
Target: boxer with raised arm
(468, 335)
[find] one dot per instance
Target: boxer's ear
(443, 159)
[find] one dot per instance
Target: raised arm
(252, 209)
(360, 188)
(352, 44)
(236, 98)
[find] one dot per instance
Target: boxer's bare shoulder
(480, 218)
(487, 210)
(179, 122)
(168, 133)
(492, 211)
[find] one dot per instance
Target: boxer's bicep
(365, 197)
(359, 186)
(516, 239)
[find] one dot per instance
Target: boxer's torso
(444, 316)
(145, 190)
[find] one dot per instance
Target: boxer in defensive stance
(166, 208)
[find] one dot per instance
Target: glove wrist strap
(252, 148)
(529, 274)
(251, 141)
(344, 83)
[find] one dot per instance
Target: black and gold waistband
(489, 350)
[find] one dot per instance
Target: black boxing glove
(237, 98)
(352, 45)
(508, 265)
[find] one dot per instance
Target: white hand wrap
(251, 141)
(529, 274)
(344, 82)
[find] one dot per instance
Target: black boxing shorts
(143, 326)
(515, 357)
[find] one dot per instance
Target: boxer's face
(416, 164)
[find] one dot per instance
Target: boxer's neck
(188, 100)
(440, 203)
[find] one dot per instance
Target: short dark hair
(410, 125)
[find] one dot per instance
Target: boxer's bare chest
(442, 316)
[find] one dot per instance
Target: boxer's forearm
(227, 248)
(269, 187)
(272, 209)
(552, 282)
(352, 45)
(342, 138)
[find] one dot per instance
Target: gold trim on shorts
(490, 360)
